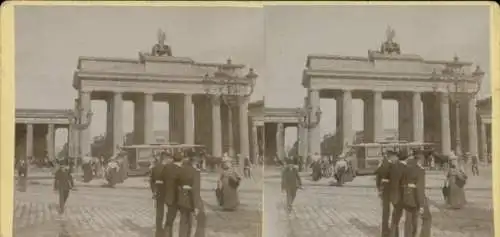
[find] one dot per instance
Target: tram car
(141, 156)
(366, 157)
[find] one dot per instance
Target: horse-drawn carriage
(366, 157)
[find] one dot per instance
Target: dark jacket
(156, 178)
(63, 179)
(414, 186)
(382, 174)
(188, 195)
(396, 181)
(170, 176)
(290, 178)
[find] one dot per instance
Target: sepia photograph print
(378, 121)
(264, 119)
(135, 121)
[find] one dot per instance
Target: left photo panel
(138, 121)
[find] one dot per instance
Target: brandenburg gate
(268, 127)
(208, 102)
(436, 98)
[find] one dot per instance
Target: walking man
(382, 182)
(63, 183)
(290, 182)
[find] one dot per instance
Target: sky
(49, 40)
(437, 32)
(274, 40)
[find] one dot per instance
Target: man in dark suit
(382, 182)
(290, 182)
(396, 191)
(170, 175)
(415, 201)
(63, 183)
(157, 188)
(191, 174)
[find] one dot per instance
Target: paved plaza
(125, 211)
(354, 209)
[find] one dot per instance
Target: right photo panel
(377, 121)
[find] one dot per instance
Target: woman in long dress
(455, 182)
(228, 187)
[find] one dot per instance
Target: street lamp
(232, 89)
(77, 125)
(309, 119)
(458, 91)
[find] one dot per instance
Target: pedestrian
(63, 183)
(475, 165)
(396, 192)
(454, 183)
(170, 175)
(290, 183)
(414, 198)
(382, 183)
(157, 188)
(247, 168)
(341, 169)
(228, 184)
(191, 176)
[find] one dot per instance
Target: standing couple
(176, 184)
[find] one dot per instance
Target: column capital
(215, 100)
(243, 99)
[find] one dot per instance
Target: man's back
(189, 176)
(170, 176)
(396, 176)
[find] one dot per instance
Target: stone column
(29, 140)
(304, 142)
(299, 140)
(148, 118)
(405, 124)
(418, 129)
(243, 127)
(50, 141)
(188, 119)
(117, 122)
(279, 141)
(176, 120)
(378, 125)
(472, 127)
(255, 143)
(346, 119)
(314, 132)
(484, 141)
(85, 139)
(445, 124)
(263, 139)
(216, 127)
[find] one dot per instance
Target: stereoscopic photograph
(273, 121)
(390, 135)
(134, 121)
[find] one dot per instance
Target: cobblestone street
(354, 209)
(124, 211)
